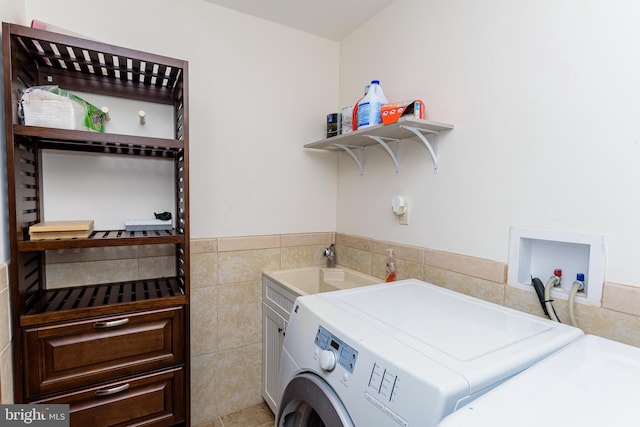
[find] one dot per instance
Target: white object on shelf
(49, 109)
(368, 112)
(105, 110)
(142, 116)
(383, 135)
(148, 225)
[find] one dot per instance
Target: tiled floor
(255, 416)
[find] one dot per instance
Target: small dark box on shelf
(334, 121)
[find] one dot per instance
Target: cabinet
(277, 302)
(387, 136)
(117, 353)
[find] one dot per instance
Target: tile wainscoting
(6, 358)
(617, 318)
(226, 315)
(226, 325)
(226, 295)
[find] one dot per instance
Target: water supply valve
(557, 273)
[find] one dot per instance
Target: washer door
(308, 401)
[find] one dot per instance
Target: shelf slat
(85, 65)
(82, 301)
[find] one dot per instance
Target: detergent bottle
(391, 266)
(354, 112)
(369, 107)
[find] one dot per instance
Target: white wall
(543, 96)
(258, 92)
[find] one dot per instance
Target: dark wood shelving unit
(119, 326)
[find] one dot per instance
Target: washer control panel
(346, 355)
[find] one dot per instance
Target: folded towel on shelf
(50, 106)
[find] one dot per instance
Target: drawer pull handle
(110, 324)
(112, 390)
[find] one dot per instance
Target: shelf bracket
(359, 161)
(433, 148)
(394, 154)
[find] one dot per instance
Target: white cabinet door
(273, 330)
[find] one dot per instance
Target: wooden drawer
(152, 400)
(76, 354)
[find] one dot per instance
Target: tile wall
(226, 294)
(77, 267)
(6, 365)
(226, 325)
(226, 315)
(617, 318)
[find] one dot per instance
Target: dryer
(589, 383)
(406, 353)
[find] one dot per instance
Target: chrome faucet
(330, 253)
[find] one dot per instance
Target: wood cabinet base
(150, 400)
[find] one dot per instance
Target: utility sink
(314, 280)
(280, 289)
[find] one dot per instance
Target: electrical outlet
(404, 218)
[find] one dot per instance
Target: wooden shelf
(87, 301)
(96, 142)
(104, 239)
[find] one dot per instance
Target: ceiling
(331, 19)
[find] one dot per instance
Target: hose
(577, 286)
(553, 280)
(539, 288)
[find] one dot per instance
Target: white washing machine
(590, 383)
(406, 353)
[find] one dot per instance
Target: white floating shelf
(354, 143)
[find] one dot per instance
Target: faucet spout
(330, 253)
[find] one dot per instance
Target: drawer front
(277, 297)
(152, 400)
(75, 354)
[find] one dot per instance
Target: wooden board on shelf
(72, 225)
(53, 235)
(61, 229)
